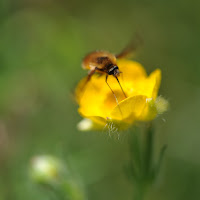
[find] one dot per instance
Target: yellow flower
(97, 102)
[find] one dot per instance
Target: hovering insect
(103, 62)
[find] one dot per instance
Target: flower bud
(45, 169)
(161, 105)
(87, 125)
(50, 171)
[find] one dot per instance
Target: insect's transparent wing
(130, 49)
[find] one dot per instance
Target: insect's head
(114, 71)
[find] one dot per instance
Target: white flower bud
(85, 125)
(161, 105)
(45, 169)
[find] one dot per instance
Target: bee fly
(104, 62)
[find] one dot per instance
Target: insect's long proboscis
(121, 87)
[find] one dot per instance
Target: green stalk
(148, 153)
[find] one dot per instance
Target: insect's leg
(121, 87)
(111, 90)
(88, 78)
(91, 72)
(83, 86)
(113, 94)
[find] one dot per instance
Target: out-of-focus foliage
(41, 47)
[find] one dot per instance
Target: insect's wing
(131, 47)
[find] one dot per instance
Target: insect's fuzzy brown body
(100, 61)
(106, 63)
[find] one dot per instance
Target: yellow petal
(91, 97)
(98, 103)
(129, 109)
(131, 70)
(156, 77)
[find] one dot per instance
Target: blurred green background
(42, 44)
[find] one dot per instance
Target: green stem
(148, 154)
(143, 170)
(141, 157)
(140, 194)
(135, 153)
